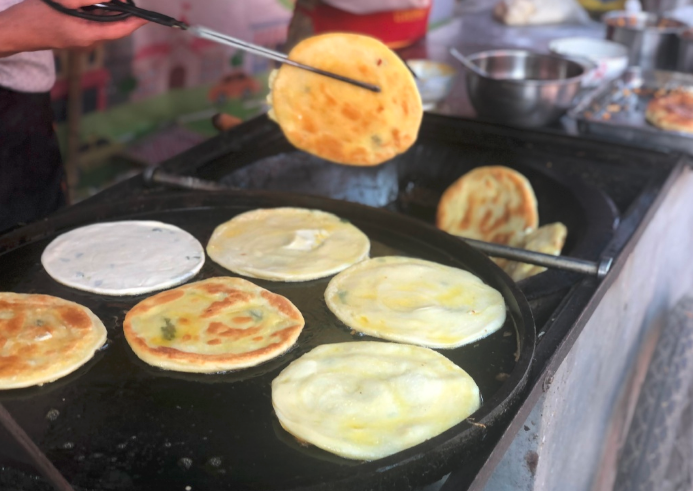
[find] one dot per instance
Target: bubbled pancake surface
(493, 203)
(367, 400)
(672, 111)
(287, 244)
(415, 301)
(336, 120)
(212, 325)
(43, 338)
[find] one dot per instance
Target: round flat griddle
(118, 423)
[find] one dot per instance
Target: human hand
(32, 25)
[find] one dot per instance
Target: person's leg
(32, 181)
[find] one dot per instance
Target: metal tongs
(154, 175)
(117, 10)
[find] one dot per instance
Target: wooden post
(74, 116)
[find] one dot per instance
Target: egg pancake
(672, 111)
(494, 204)
(212, 325)
(124, 258)
(339, 121)
(367, 400)
(415, 301)
(44, 338)
(548, 239)
(287, 244)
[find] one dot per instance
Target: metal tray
(120, 424)
(632, 92)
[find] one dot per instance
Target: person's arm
(32, 26)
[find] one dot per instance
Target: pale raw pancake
(124, 258)
(287, 244)
(415, 301)
(548, 239)
(367, 400)
(44, 338)
(494, 204)
(341, 122)
(673, 111)
(212, 325)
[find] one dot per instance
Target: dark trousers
(32, 180)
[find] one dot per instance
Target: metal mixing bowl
(523, 88)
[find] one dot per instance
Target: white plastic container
(610, 58)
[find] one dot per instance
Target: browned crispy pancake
(338, 121)
(673, 111)
(43, 338)
(494, 204)
(212, 325)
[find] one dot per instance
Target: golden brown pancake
(212, 325)
(673, 111)
(494, 204)
(336, 120)
(43, 338)
(548, 239)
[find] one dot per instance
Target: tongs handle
(598, 269)
(99, 12)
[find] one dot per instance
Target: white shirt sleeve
(27, 72)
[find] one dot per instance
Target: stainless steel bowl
(652, 40)
(686, 52)
(523, 88)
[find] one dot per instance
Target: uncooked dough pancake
(548, 239)
(287, 244)
(494, 204)
(339, 121)
(212, 325)
(367, 400)
(673, 111)
(44, 338)
(124, 258)
(415, 301)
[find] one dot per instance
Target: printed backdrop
(164, 83)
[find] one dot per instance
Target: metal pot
(652, 41)
(523, 88)
(686, 52)
(659, 6)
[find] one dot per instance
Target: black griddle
(634, 180)
(119, 424)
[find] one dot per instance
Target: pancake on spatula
(44, 338)
(548, 239)
(287, 244)
(367, 400)
(415, 301)
(340, 122)
(212, 325)
(672, 111)
(493, 204)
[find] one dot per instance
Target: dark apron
(32, 181)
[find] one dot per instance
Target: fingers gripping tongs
(117, 10)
